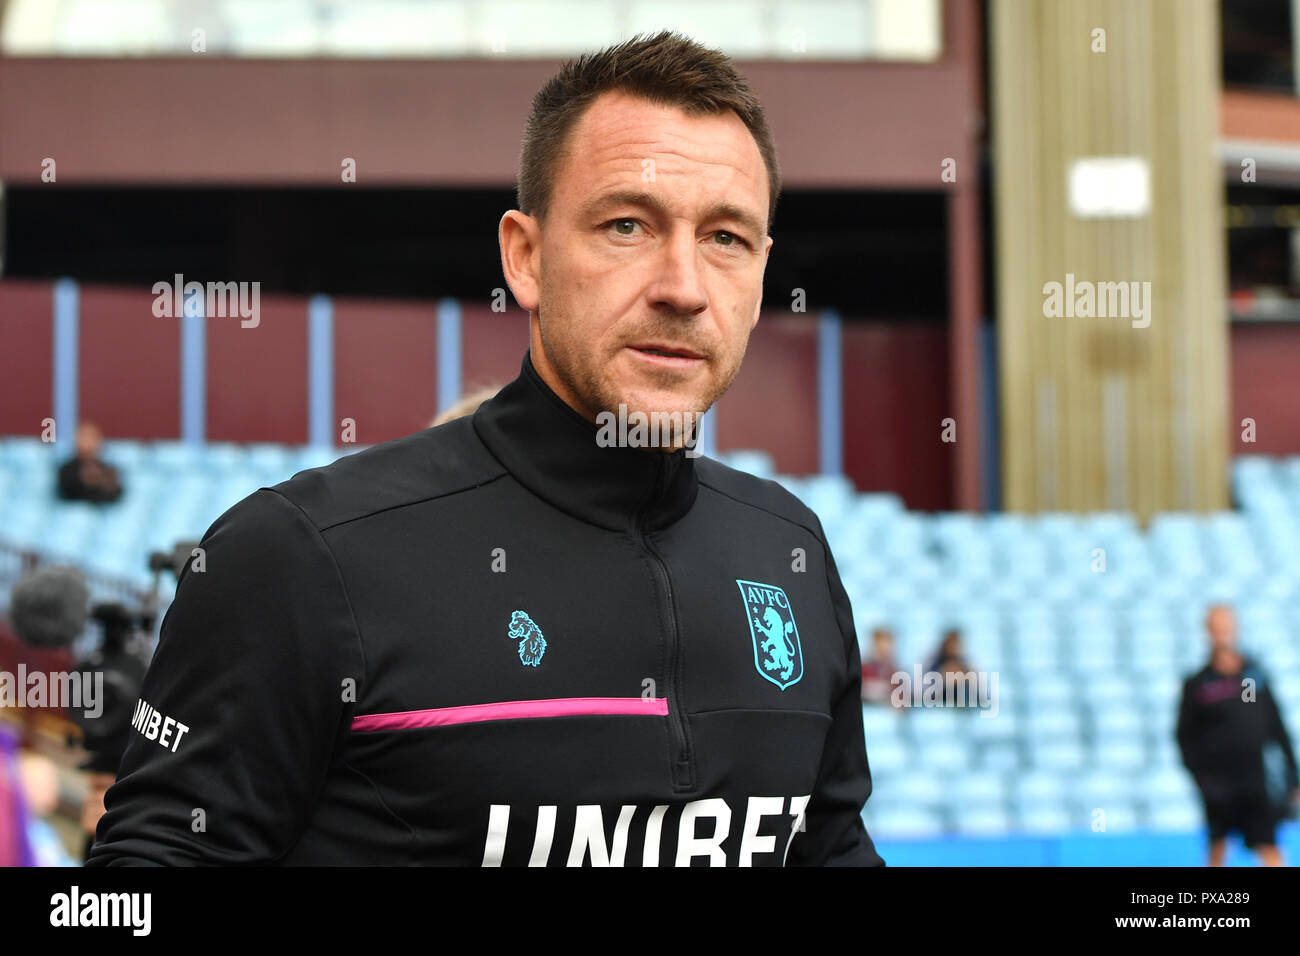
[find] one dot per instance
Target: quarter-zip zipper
(683, 764)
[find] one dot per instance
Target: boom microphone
(49, 607)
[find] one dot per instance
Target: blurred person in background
(467, 404)
(15, 845)
(879, 669)
(1229, 732)
(950, 658)
(40, 786)
(86, 477)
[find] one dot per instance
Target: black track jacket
(495, 642)
(1222, 734)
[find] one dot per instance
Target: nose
(679, 284)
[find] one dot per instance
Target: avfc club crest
(778, 656)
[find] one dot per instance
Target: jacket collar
(551, 450)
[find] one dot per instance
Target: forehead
(700, 158)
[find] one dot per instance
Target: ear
(758, 307)
(520, 238)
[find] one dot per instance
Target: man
(508, 640)
(879, 669)
(1227, 721)
(84, 477)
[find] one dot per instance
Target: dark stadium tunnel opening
(868, 255)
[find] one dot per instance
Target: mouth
(667, 355)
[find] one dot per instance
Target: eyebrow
(720, 210)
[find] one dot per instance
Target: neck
(546, 371)
(1226, 659)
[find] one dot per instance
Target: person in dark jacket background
(1235, 745)
(85, 476)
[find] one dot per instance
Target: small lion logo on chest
(532, 645)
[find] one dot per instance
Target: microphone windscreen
(49, 607)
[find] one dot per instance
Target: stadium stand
(1089, 656)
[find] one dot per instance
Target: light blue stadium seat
(976, 787)
(1175, 814)
(261, 455)
(1159, 723)
(8, 483)
(1053, 724)
(1062, 755)
(1000, 755)
(981, 820)
(1034, 639)
(887, 755)
(26, 455)
(881, 723)
(1162, 751)
(1121, 756)
(1167, 784)
(1117, 720)
(757, 463)
(313, 456)
(945, 756)
(1291, 717)
(175, 456)
(124, 454)
(879, 505)
(1115, 816)
(1042, 816)
(221, 456)
(902, 821)
(920, 789)
(1004, 725)
(1162, 690)
(1153, 649)
(1103, 687)
(928, 724)
(1100, 787)
(1038, 785)
(1050, 691)
(1093, 638)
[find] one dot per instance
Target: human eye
(735, 240)
(616, 223)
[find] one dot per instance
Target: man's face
(1222, 625)
(647, 276)
(87, 441)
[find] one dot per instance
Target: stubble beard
(597, 392)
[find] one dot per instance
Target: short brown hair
(667, 69)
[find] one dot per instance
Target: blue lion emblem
(531, 643)
(778, 645)
(778, 655)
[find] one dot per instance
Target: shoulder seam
(768, 511)
(338, 573)
(405, 504)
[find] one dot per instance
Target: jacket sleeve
(1279, 734)
(69, 481)
(243, 705)
(1187, 730)
(834, 834)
